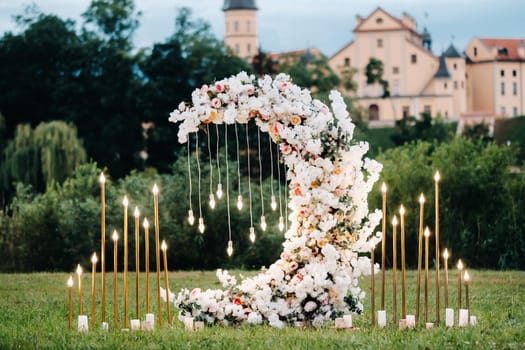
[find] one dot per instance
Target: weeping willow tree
(42, 156)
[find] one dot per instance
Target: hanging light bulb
(281, 224)
(263, 223)
(239, 202)
(229, 250)
(219, 190)
(212, 201)
(201, 225)
(191, 218)
(273, 203)
(252, 234)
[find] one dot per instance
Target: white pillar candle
(83, 323)
(411, 321)
(105, 326)
(339, 323)
(188, 323)
(151, 319)
(449, 317)
(463, 318)
(429, 325)
(403, 323)
(146, 326)
(381, 318)
(135, 325)
(473, 320)
(347, 321)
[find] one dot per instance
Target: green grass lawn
(34, 308)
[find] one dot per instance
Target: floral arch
(316, 277)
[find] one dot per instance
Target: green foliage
(426, 128)
(511, 130)
(480, 198)
(374, 74)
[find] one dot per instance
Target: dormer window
(475, 51)
(379, 20)
(503, 51)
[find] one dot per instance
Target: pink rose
(293, 266)
(212, 308)
(303, 211)
(285, 256)
(219, 87)
(195, 292)
(286, 149)
(297, 191)
(276, 128)
(204, 89)
(215, 102)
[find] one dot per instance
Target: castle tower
(240, 27)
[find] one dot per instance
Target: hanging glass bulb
(252, 234)
(219, 190)
(201, 225)
(273, 203)
(212, 201)
(263, 223)
(229, 250)
(281, 224)
(191, 218)
(239, 202)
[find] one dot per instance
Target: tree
(374, 74)
(426, 128)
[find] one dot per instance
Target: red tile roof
(511, 46)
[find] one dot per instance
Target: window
(502, 73)
(406, 111)
(427, 109)
(248, 26)
(395, 70)
(413, 58)
(249, 48)
(455, 84)
(503, 111)
(347, 61)
(235, 26)
(502, 89)
(445, 85)
(455, 66)
(379, 20)
(475, 51)
(515, 88)
(514, 73)
(395, 87)
(373, 112)
(379, 42)
(515, 111)
(237, 49)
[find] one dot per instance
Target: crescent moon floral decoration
(316, 277)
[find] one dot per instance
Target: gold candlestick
(460, 268)
(419, 254)
(125, 203)
(164, 247)
(427, 235)
(79, 274)
(445, 259)
(383, 247)
(93, 285)
(403, 278)
(394, 263)
(372, 284)
(102, 180)
(146, 250)
(70, 294)
(436, 179)
(136, 214)
(466, 280)
(157, 250)
(115, 270)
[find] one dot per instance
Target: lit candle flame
(273, 203)
(201, 225)
(219, 191)
(394, 221)
(70, 281)
(252, 234)
(212, 201)
(229, 250)
(437, 177)
(79, 270)
(281, 223)
(445, 253)
(146, 223)
(466, 277)
(155, 189)
(460, 264)
(114, 235)
(421, 199)
(125, 201)
(239, 202)
(191, 218)
(402, 210)
(102, 178)
(263, 223)
(94, 258)
(426, 232)
(163, 246)
(383, 188)
(136, 213)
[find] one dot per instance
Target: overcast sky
(326, 24)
